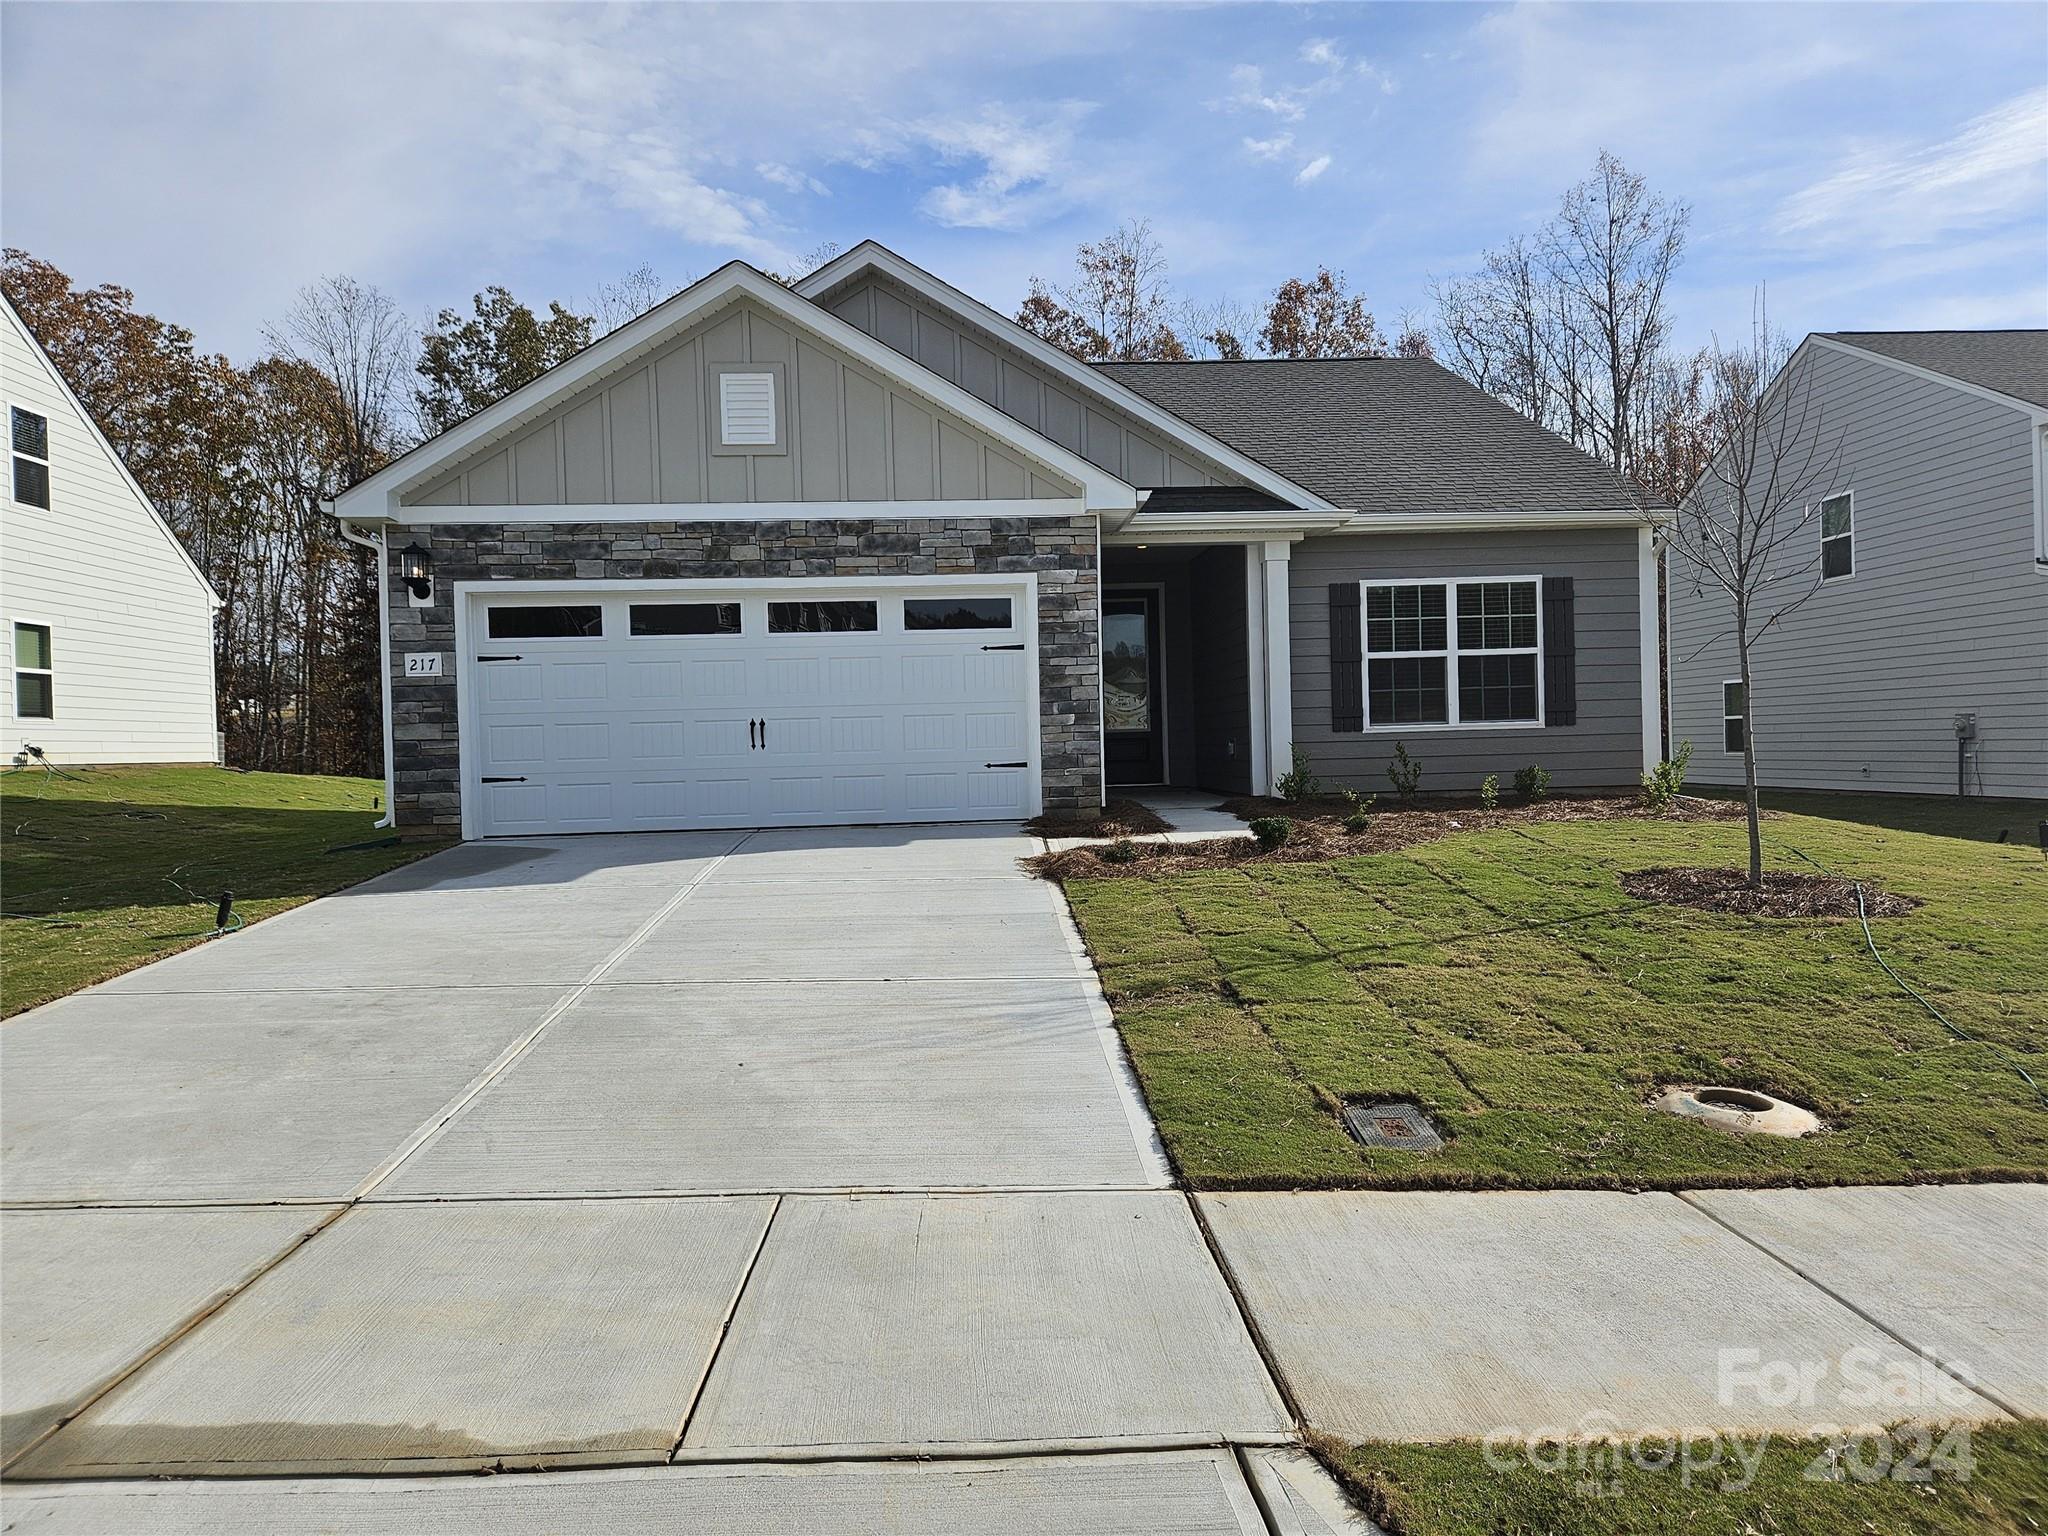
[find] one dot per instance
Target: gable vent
(746, 410)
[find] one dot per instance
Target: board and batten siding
(1022, 389)
(131, 623)
(639, 436)
(1604, 749)
(1859, 687)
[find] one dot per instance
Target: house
(865, 550)
(1920, 662)
(109, 620)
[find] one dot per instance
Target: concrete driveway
(694, 1151)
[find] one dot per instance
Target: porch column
(1279, 657)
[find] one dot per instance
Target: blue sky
(1877, 166)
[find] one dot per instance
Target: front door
(1133, 720)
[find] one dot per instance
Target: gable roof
(1201, 439)
(377, 495)
(1382, 435)
(2010, 363)
(120, 464)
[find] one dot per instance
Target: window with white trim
(1453, 652)
(1838, 536)
(30, 439)
(34, 681)
(1734, 715)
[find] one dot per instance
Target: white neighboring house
(109, 622)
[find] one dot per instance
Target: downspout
(375, 543)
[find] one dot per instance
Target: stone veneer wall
(1061, 551)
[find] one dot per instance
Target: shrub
(1122, 851)
(1297, 783)
(1489, 792)
(1271, 832)
(1357, 809)
(1663, 784)
(1404, 772)
(1532, 783)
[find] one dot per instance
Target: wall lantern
(416, 570)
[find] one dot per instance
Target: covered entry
(614, 707)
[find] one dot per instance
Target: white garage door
(595, 710)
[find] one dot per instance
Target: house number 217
(422, 663)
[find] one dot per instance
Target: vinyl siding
(1605, 747)
(981, 363)
(640, 436)
(1858, 688)
(131, 624)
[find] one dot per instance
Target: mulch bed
(1319, 832)
(1783, 893)
(1119, 818)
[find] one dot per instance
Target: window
(820, 618)
(33, 698)
(582, 621)
(1424, 669)
(956, 613)
(1734, 716)
(746, 410)
(1837, 537)
(684, 618)
(31, 443)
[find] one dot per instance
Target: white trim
(869, 254)
(15, 669)
(735, 511)
(375, 543)
(120, 464)
(706, 589)
(1495, 522)
(1451, 653)
(1649, 649)
(1273, 562)
(1256, 671)
(1101, 681)
(1726, 684)
(378, 496)
(1821, 508)
(1229, 527)
(7, 409)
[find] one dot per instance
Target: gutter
(375, 543)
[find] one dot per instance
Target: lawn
(1503, 979)
(113, 867)
(1451, 1490)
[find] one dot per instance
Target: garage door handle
(1017, 647)
(501, 658)
(764, 735)
(1006, 765)
(520, 779)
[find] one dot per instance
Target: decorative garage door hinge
(505, 779)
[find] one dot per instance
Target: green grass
(1505, 980)
(106, 853)
(1450, 1490)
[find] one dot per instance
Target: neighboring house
(109, 621)
(867, 551)
(1920, 662)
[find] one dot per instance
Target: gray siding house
(1920, 663)
(865, 550)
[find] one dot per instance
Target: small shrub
(1663, 784)
(1122, 851)
(1489, 792)
(1297, 784)
(1404, 772)
(1532, 783)
(1357, 810)
(1271, 832)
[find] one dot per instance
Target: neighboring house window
(1734, 716)
(33, 699)
(1837, 537)
(31, 441)
(1422, 668)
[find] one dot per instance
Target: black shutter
(1347, 666)
(1560, 653)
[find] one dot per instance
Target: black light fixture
(416, 570)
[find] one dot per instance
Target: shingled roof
(2013, 363)
(1382, 434)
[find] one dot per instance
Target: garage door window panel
(533, 621)
(928, 613)
(657, 619)
(823, 618)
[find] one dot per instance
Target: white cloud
(1312, 170)
(1248, 90)
(1269, 149)
(1025, 155)
(1899, 194)
(1321, 51)
(790, 179)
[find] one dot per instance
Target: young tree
(1118, 307)
(1319, 318)
(469, 363)
(1747, 527)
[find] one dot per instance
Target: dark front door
(1133, 723)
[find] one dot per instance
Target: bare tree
(1118, 308)
(357, 337)
(1219, 329)
(627, 299)
(1747, 529)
